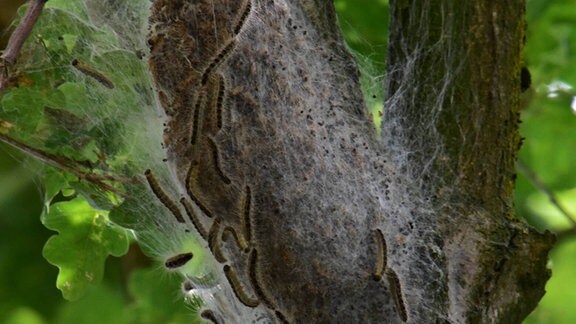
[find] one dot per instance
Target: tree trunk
(268, 132)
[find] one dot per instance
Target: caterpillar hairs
(380, 255)
(178, 261)
(163, 197)
(94, 74)
(238, 289)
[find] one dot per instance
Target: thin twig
(565, 234)
(533, 177)
(18, 38)
(63, 163)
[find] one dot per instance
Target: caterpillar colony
(207, 100)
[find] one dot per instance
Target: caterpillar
(238, 289)
(242, 18)
(213, 243)
(239, 239)
(189, 179)
(253, 260)
(196, 122)
(209, 315)
(281, 317)
(162, 196)
(187, 286)
(178, 261)
(194, 218)
(216, 157)
(220, 100)
(203, 208)
(396, 291)
(94, 74)
(380, 255)
(217, 60)
(246, 214)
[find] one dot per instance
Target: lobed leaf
(86, 238)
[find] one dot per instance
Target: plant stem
(18, 37)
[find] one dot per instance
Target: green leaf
(86, 239)
(22, 107)
(365, 26)
(54, 182)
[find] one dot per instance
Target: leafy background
(134, 290)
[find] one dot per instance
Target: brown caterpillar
(196, 122)
(253, 260)
(187, 286)
(216, 157)
(239, 239)
(380, 255)
(220, 101)
(396, 292)
(203, 208)
(195, 199)
(178, 261)
(246, 214)
(213, 241)
(94, 74)
(218, 59)
(242, 18)
(162, 196)
(194, 218)
(209, 315)
(281, 317)
(238, 289)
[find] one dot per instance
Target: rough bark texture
(269, 134)
(454, 80)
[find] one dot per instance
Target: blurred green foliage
(549, 125)
(130, 285)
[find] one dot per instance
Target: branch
(65, 164)
(18, 38)
(538, 184)
(451, 123)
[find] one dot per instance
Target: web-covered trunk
(268, 133)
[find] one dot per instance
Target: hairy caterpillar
(194, 218)
(163, 197)
(218, 59)
(209, 315)
(281, 317)
(238, 289)
(94, 74)
(220, 100)
(239, 239)
(189, 179)
(196, 122)
(253, 276)
(213, 241)
(246, 210)
(216, 157)
(380, 255)
(253, 259)
(396, 291)
(187, 286)
(242, 18)
(178, 261)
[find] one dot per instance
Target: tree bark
(454, 80)
(268, 132)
